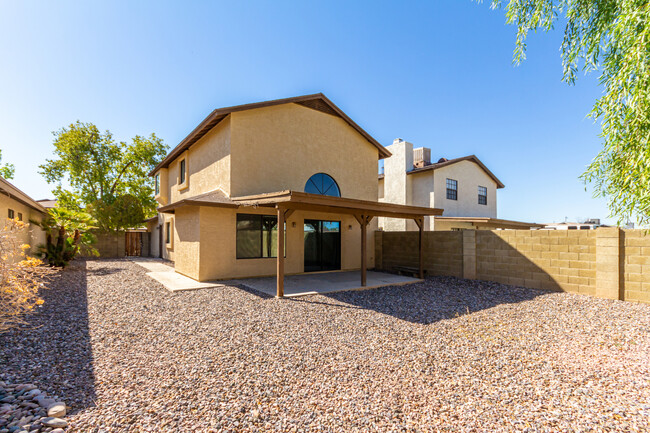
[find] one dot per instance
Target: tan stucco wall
(207, 166)
(266, 150)
(187, 230)
(281, 147)
(216, 258)
(32, 234)
(469, 177)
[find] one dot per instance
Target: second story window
(452, 189)
(20, 216)
(11, 214)
(482, 195)
(183, 174)
(157, 181)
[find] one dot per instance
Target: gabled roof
(8, 189)
(471, 158)
(317, 101)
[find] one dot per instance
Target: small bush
(21, 277)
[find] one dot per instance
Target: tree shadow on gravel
(437, 298)
(53, 350)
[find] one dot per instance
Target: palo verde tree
(612, 37)
(107, 179)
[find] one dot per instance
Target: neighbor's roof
(317, 101)
(47, 202)
(491, 222)
(471, 158)
(306, 201)
(8, 189)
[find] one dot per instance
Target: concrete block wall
(608, 262)
(443, 251)
(540, 259)
(635, 265)
(110, 244)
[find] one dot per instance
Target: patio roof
(305, 201)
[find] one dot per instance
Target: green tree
(612, 37)
(7, 170)
(106, 178)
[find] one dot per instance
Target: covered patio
(287, 202)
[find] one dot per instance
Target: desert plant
(66, 235)
(21, 277)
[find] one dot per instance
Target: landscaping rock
(54, 422)
(442, 355)
(57, 410)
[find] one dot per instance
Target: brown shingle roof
(317, 101)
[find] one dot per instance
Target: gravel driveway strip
(442, 355)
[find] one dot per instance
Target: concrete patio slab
(324, 282)
(168, 277)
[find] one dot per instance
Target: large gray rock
(54, 422)
(57, 410)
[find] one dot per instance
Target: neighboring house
(463, 187)
(15, 204)
(47, 203)
(226, 189)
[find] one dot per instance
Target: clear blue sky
(438, 74)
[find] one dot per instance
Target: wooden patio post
(280, 254)
(364, 225)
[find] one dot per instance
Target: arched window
(322, 184)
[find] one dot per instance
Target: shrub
(66, 234)
(21, 277)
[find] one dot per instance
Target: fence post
(469, 254)
(608, 272)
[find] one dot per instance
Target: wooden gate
(133, 243)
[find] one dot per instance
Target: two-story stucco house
(463, 187)
(295, 175)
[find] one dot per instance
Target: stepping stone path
(26, 409)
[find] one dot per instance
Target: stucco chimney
(397, 187)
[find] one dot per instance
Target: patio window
(257, 236)
(452, 189)
(482, 195)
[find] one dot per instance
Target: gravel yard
(443, 355)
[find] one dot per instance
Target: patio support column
(363, 222)
(364, 249)
(420, 224)
(280, 254)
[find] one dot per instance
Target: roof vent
(398, 140)
(442, 160)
